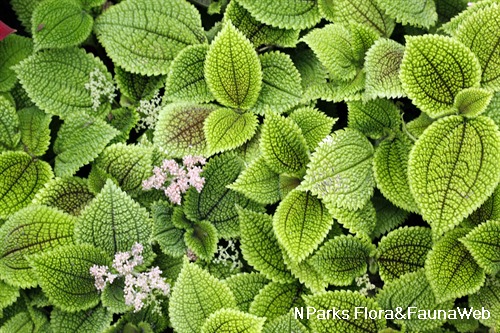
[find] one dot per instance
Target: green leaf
(480, 33)
(21, 177)
(312, 72)
(483, 243)
(230, 320)
(20, 322)
(449, 176)
(55, 80)
(472, 102)
(435, 69)
(114, 222)
(285, 14)
(69, 194)
(306, 272)
(276, 299)
(64, 275)
(123, 119)
(281, 84)
(390, 168)
(232, 69)
(138, 87)
(8, 295)
(13, 49)
(9, 125)
(417, 126)
(257, 32)
(285, 324)
(35, 131)
(375, 119)
(113, 298)
(340, 171)
(388, 216)
(338, 91)
(314, 124)
(195, 296)
(342, 259)
(226, 129)
(493, 109)
(300, 223)
(79, 141)
(94, 320)
(186, 77)
(488, 297)
(202, 239)
(245, 287)
(361, 221)
(489, 210)
(414, 12)
(59, 24)
(450, 268)
(451, 27)
(259, 245)
(283, 145)
(402, 251)
(165, 233)
(346, 301)
(413, 291)
(134, 44)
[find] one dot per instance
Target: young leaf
(230, 320)
(375, 118)
(483, 243)
(285, 324)
(283, 145)
(21, 177)
(300, 223)
(285, 14)
(314, 124)
(414, 12)
(165, 233)
(202, 239)
(186, 77)
(134, 44)
(232, 69)
(402, 251)
(472, 101)
(388, 216)
(361, 221)
(340, 171)
(435, 69)
(13, 50)
(489, 298)
(449, 176)
(450, 268)
(226, 129)
(138, 87)
(9, 125)
(195, 296)
(63, 23)
(64, 275)
(259, 245)
(94, 320)
(35, 131)
(276, 299)
(245, 287)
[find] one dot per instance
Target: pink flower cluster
(140, 288)
(179, 177)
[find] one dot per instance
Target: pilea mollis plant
(269, 166)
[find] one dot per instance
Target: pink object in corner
(5, 30)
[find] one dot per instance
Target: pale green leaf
(361, 221)
(402, 251)
(483, 242)
(340, 171)
(472, 101)
(123, 119)
(64, 275)
(493, 109)
(452, 26)
(417, 126)
(195, 296)
(286, 323)
(453, 169)
(13, 49)
(230, 321)
(287, 14)
(450, 268)
(489, 210)
(306, 272)
(489, 298)
(338, 91)
(202, 239)
(414, 12)
(21, 177)
(138, 87)
(314, 124)
(245, 287)
(9, 125)
(8, 295)
(250, 150)
(138, 46)
(165, 233)
(232, 69)
(226, 129)
(362, 39)
(311, 70)
(59, 24)
(93, 320)
(375, 119)
(35, 131)
(276, 299)
(388, 216)
(435, 69)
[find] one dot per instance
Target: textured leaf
(480, 32)
(8, 295)
(483, 243)
(281, 84)
(94, 320)
(79, 141)
(343, 258)
(257, 32)
(294, 14)
(338, 91)
(402, 251)
(9, 125)
(374, 119)
(259, 245)
(186, 77)
(488, 297)
(13, 49)
(312, 72)
(285, 324)
(452, 26)
(230, 320)
(195, 296)
(314, 124)
(493, 109)
(283, 145)
(165, 233)
(138, 87)
(123, 119)
(388, 216)
(226, 129)
(415, 12)
(276, 299)
(306, 272)
(55, 80)
(59, 24)
(361, 221)
(35, 131)
(489, 210)
(435, 69)
(345, 301)
(232, 69)
(20, 322)
(64, 275)
(24, 10)
(216, 203)
(134, 44)
(113, 298)
(69, 194)
(472, 101)
(20, 178)
(449, 176)
(390, 168)
(202, 239)
(450, 268)
(417, 126)
(340, 170)
(245, 287)
(300, 223)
